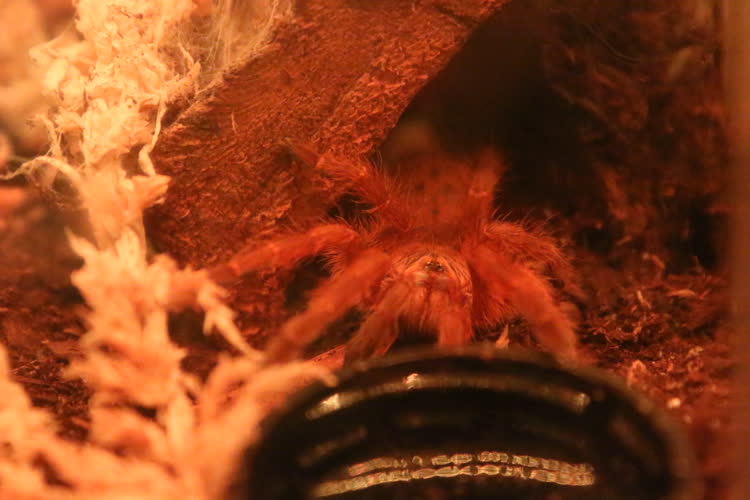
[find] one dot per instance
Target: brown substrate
(39, 320)
(668, 336)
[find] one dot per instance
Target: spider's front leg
(287, 251)
(379, 330)
(448, 312)
(330, 301)
(531, 296)
(454, 324)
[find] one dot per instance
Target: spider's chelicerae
(432, 259)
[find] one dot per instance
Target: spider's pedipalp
(329, 302)
(531, 296)
(287, 251)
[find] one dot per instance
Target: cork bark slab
(338, 76)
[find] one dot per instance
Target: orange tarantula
(433, 260)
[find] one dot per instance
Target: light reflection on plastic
(330, 404)
(385, 470)
(573, 400)
(413, 381)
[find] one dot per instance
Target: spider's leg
(379, 330)
(371, 186)
(514, 239)
(331, 300)
(451, 318)
(530, 295)
(454, 324)
(302, 151)
(511, 239)
(478, 206)
(363, 180)
(287, 251)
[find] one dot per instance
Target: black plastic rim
(311, 437)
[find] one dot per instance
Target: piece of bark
(337, 76)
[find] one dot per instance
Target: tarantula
(434, 261)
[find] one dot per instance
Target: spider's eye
(434, 266)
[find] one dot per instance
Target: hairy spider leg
(447, 311)
(478, 206)
(362, 179)
(330, 301)
(370, 185)
(287, 251)
(512, 239)
(379, 330)
(453, 323)
(530, 295)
